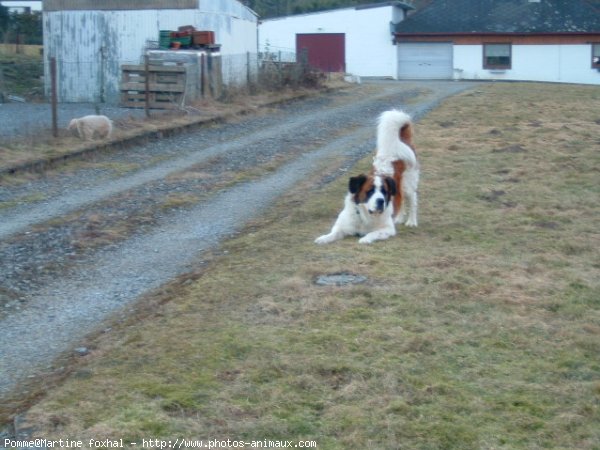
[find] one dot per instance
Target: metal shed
(91, 40)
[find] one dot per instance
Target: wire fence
(101, 80)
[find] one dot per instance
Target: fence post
(211, 78)
(203, 75)
(102, 70)
(280, 69)
(146, 86)
(1, 83)
(304, 59)
(248, 80)
(54, 96)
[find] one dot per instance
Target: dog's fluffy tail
(394, 137)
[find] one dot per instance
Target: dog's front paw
(400, 218)
(325, 239)
(365, 240)
(411, 222)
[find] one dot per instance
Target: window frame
(595, 54)
(497, 66)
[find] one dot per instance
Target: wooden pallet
(166, 86)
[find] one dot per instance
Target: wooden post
(279, 69)
(304, 59)
(102, 70)
(211, 78)
(203, 75)
(54, 97)
(2, 89)
(147, 86)
(248, 76)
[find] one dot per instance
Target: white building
(356, 40)
(91, 39)
(525, 40)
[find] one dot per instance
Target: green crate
(184, 41)
(164, 38)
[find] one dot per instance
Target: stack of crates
(185, 37)
(164, 40)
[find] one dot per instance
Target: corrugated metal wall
(91, 45)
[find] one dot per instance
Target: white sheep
(90, 127)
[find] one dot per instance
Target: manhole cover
(340, 279)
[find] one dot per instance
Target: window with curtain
(596, 56)
(496, 56)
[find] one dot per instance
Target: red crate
(186, 28)
(203, 37)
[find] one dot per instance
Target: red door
(326, 51)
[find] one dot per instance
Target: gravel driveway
(81, 243)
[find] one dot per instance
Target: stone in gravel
(82, 351)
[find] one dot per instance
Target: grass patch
(35, 197)
(179, 201)
(479, 329)
(21, 75)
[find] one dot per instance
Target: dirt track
(79, 244)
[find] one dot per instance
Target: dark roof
(503, 16)
(399, 4)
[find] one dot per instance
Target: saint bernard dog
(386, 196)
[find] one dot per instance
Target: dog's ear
(391, 186)
(356, 183)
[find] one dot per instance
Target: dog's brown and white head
(374, 192)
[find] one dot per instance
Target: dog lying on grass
(92, 127)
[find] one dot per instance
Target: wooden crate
(166, 86)
(203, 37)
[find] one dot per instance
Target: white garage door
(425, 60)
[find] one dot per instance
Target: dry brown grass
(479, 329)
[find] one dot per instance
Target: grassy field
(22, 74)
(478, 330)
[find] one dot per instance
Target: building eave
(402, 5)
(489, 33)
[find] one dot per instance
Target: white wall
(369, 48)
(235, 25)
(550, 63)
